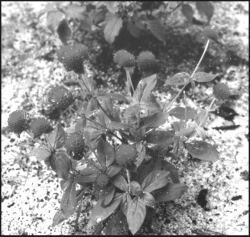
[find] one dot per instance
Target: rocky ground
(30, 194)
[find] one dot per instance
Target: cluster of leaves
(119, 150)
(137, 17)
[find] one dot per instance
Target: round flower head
(146, 61)
(124, 58)
(221, 91)
(17, 122)
(39, 126)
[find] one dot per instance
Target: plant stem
(207, 111)
(129, 82)
(198, 64)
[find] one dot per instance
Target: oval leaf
(41, 153)
(120, 183)
(205, 8)
(187, 11)
(74, 11)
(126, 198)
(155, 120)
(178, 79)
(173, 172)
(202, 150)
(135, 188)
(108, 195)
(203, 77)
(179, 112)
(58, 218)
(100, 213)
(155, 180)
(157, 29)
(53, 19)
(112, 28)
(64, 31)
(148, 199)
(136, 214)
(159, 137)
(126, 155)
(113, 170)
(170, 192)
(105, 153)
(57, 137)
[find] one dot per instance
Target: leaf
(177, 126)
(61, 164)
(187, 132)
(155, 120)
(201, 132)
(58, 218)
(205, 8)
(157, 29)
(144, 87)
(203, 77)
(49, 7)
(134, 30)
(64, 31)
(148, 199)
(116, 126)
(108, 195)
(135, 188)
(135, 215)
(105, 153)
(131, 111)
(173, 172)
(41, 153)
(202, 150)
(179, 112)
(126, 198)
(113, 96)
(68, 201)
(110, 110)
(188, 12)
(92, 105)
(97, 16)
(126, 155)
(155, 180)
(87, 175)
(112, 6)
(120, 183)
(178, 79)
(74, 11)
(141, 149)
(200, 118)
(150, 104)
(113, 170)
(138, 134)
(54, 17)
(100, 213)
(80, 124)
(159, 137)
(112, 28)
(170, 192)
(57, 137)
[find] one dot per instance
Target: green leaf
(179, 112)
(134, 30)
(110, 109)
(187, 132)
(201, 132)
(113, 170)
(87, 175)
(205, 8)
(178, 79)
(105, 153)
(204, 77)
(120, 182)
(155, 120)
(57, 137)
(170, 192)
(113, 96)
(58, 218)
(41, 153)
(100, 213)
(108, 195)
(135, 215)
(61, 164)
(131, 111)
(138, 134)
(150, 104)
(126, 198)
(200, 118)
(126, 155)
(80, 124)
(177, 126)
(54, 17)
(202, 150)
(157, 29)
(159, 137)
(64, 31)
(141, 150)
(188, 12)
(148, 199)
(112, 28)
(173, 172)
(135, 188)
(144, 88)
(74, 11)
(112, 6)
(116, 126)
(155, 180)
(68, 201)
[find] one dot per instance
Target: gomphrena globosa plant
(117, 147)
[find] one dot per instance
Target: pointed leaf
(155, 180)
(80, 124)
(178, 79)
(159, 137)
(173, 172)
(157, 29)
(57, 137)
(113, 96)
(201, 132)
(179, 112)
(187, 11)
(74, 11)
(131, 111)
(100, 213)
(135, 188)
(53, 19)
(110, 110)
(148, 199)
(135, 215)
(202, 150)
(112, 6)
(170, 192)
(155, 120)
(187, 132)
(126, 198)
(68, 201)
(204, 77)
(134, 30)
(141, 150)
(87, 175)
(205, 8)
(116, 126)
(144, 87)
(64, 31)
(108, 195)
(112, 28)
(61, 164)
(120, 183)
(41, 153)
(58, 218)
(201, 118)
(105, 153)
(113, 170)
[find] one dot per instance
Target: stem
(198, 64)
(128, 175)
(129, 81)
(207, 111)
